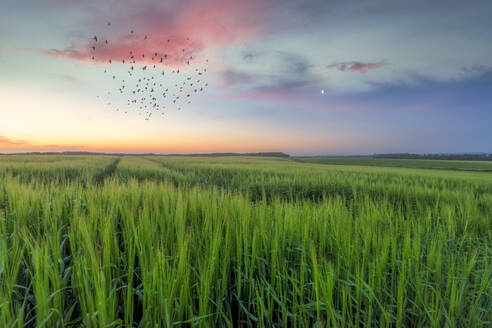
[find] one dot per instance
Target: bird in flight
(149, 90)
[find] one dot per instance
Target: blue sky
(397, 76)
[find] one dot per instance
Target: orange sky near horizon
(50, 127)
(207, 145)
(48, 120)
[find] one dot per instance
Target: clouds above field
(245, 37)
(167, 29)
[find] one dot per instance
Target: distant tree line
(266, 154)
(460, 157)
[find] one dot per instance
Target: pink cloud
(190, 27)
(356, 66)
(132, 50)
(363, 67)
(11, 144)
(5, 141)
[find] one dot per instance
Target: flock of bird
(169, 80)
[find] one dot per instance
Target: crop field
(480, 166)
(107, 241)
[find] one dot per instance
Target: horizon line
(264, 153)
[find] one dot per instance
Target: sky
(306, 77)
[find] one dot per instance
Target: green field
(244, 242)
(480, 166)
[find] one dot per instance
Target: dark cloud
(477, 69)
(467, 93)
(290, 71)
(250, 56)
(285, 86)
(293, 63)
(292, 74)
